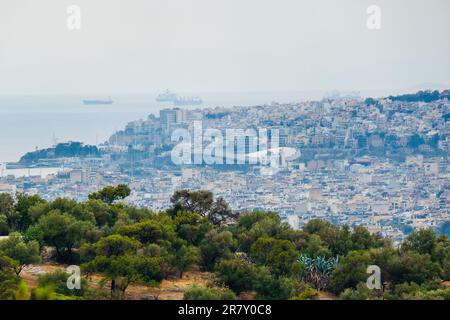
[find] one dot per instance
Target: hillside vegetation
(209, 249)
(61, 150)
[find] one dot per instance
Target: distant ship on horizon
(166, 96)
(188, 101)
(169, 96)
(98, 101)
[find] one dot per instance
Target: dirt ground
(171, 289)
(30, 273)
(327, 296)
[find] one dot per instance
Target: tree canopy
(252, 254)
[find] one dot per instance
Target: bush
(270, 287)
(22, 292)
(57, 280)
(360, 293)
(237, 273)
(195, 292)
(413, 291)
(306, 292)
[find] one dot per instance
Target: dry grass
(170, 289)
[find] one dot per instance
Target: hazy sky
(221, 45)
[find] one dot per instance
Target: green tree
(336, 239)
(34, 233)
(118, 258)
(24, 253)
(247, 220)
(314, 246)
(38, 210)
(71, 207)
(422, 241)
(350, 271)
(265, 224)
(279, 255)
(202, 202)
(22, 207)
(414, 267)
(4, 227)
(63, 232)
(261, 248)
(194, 201)
(11, 217)
(9, 280)
(149, 231)
(339, 240)
(387, 258)
(216, 245)
(191, 227)
(185, 258)
(270, 287)
(221, 212)
(103, 213)
(237, 273)
(362, 239)
(110, 194)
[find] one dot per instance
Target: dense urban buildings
(381, 163)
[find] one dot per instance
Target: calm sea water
(30, 122)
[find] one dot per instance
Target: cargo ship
(188, 101)
(97, 101)
(166, 96)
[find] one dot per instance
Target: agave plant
(318, 269)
